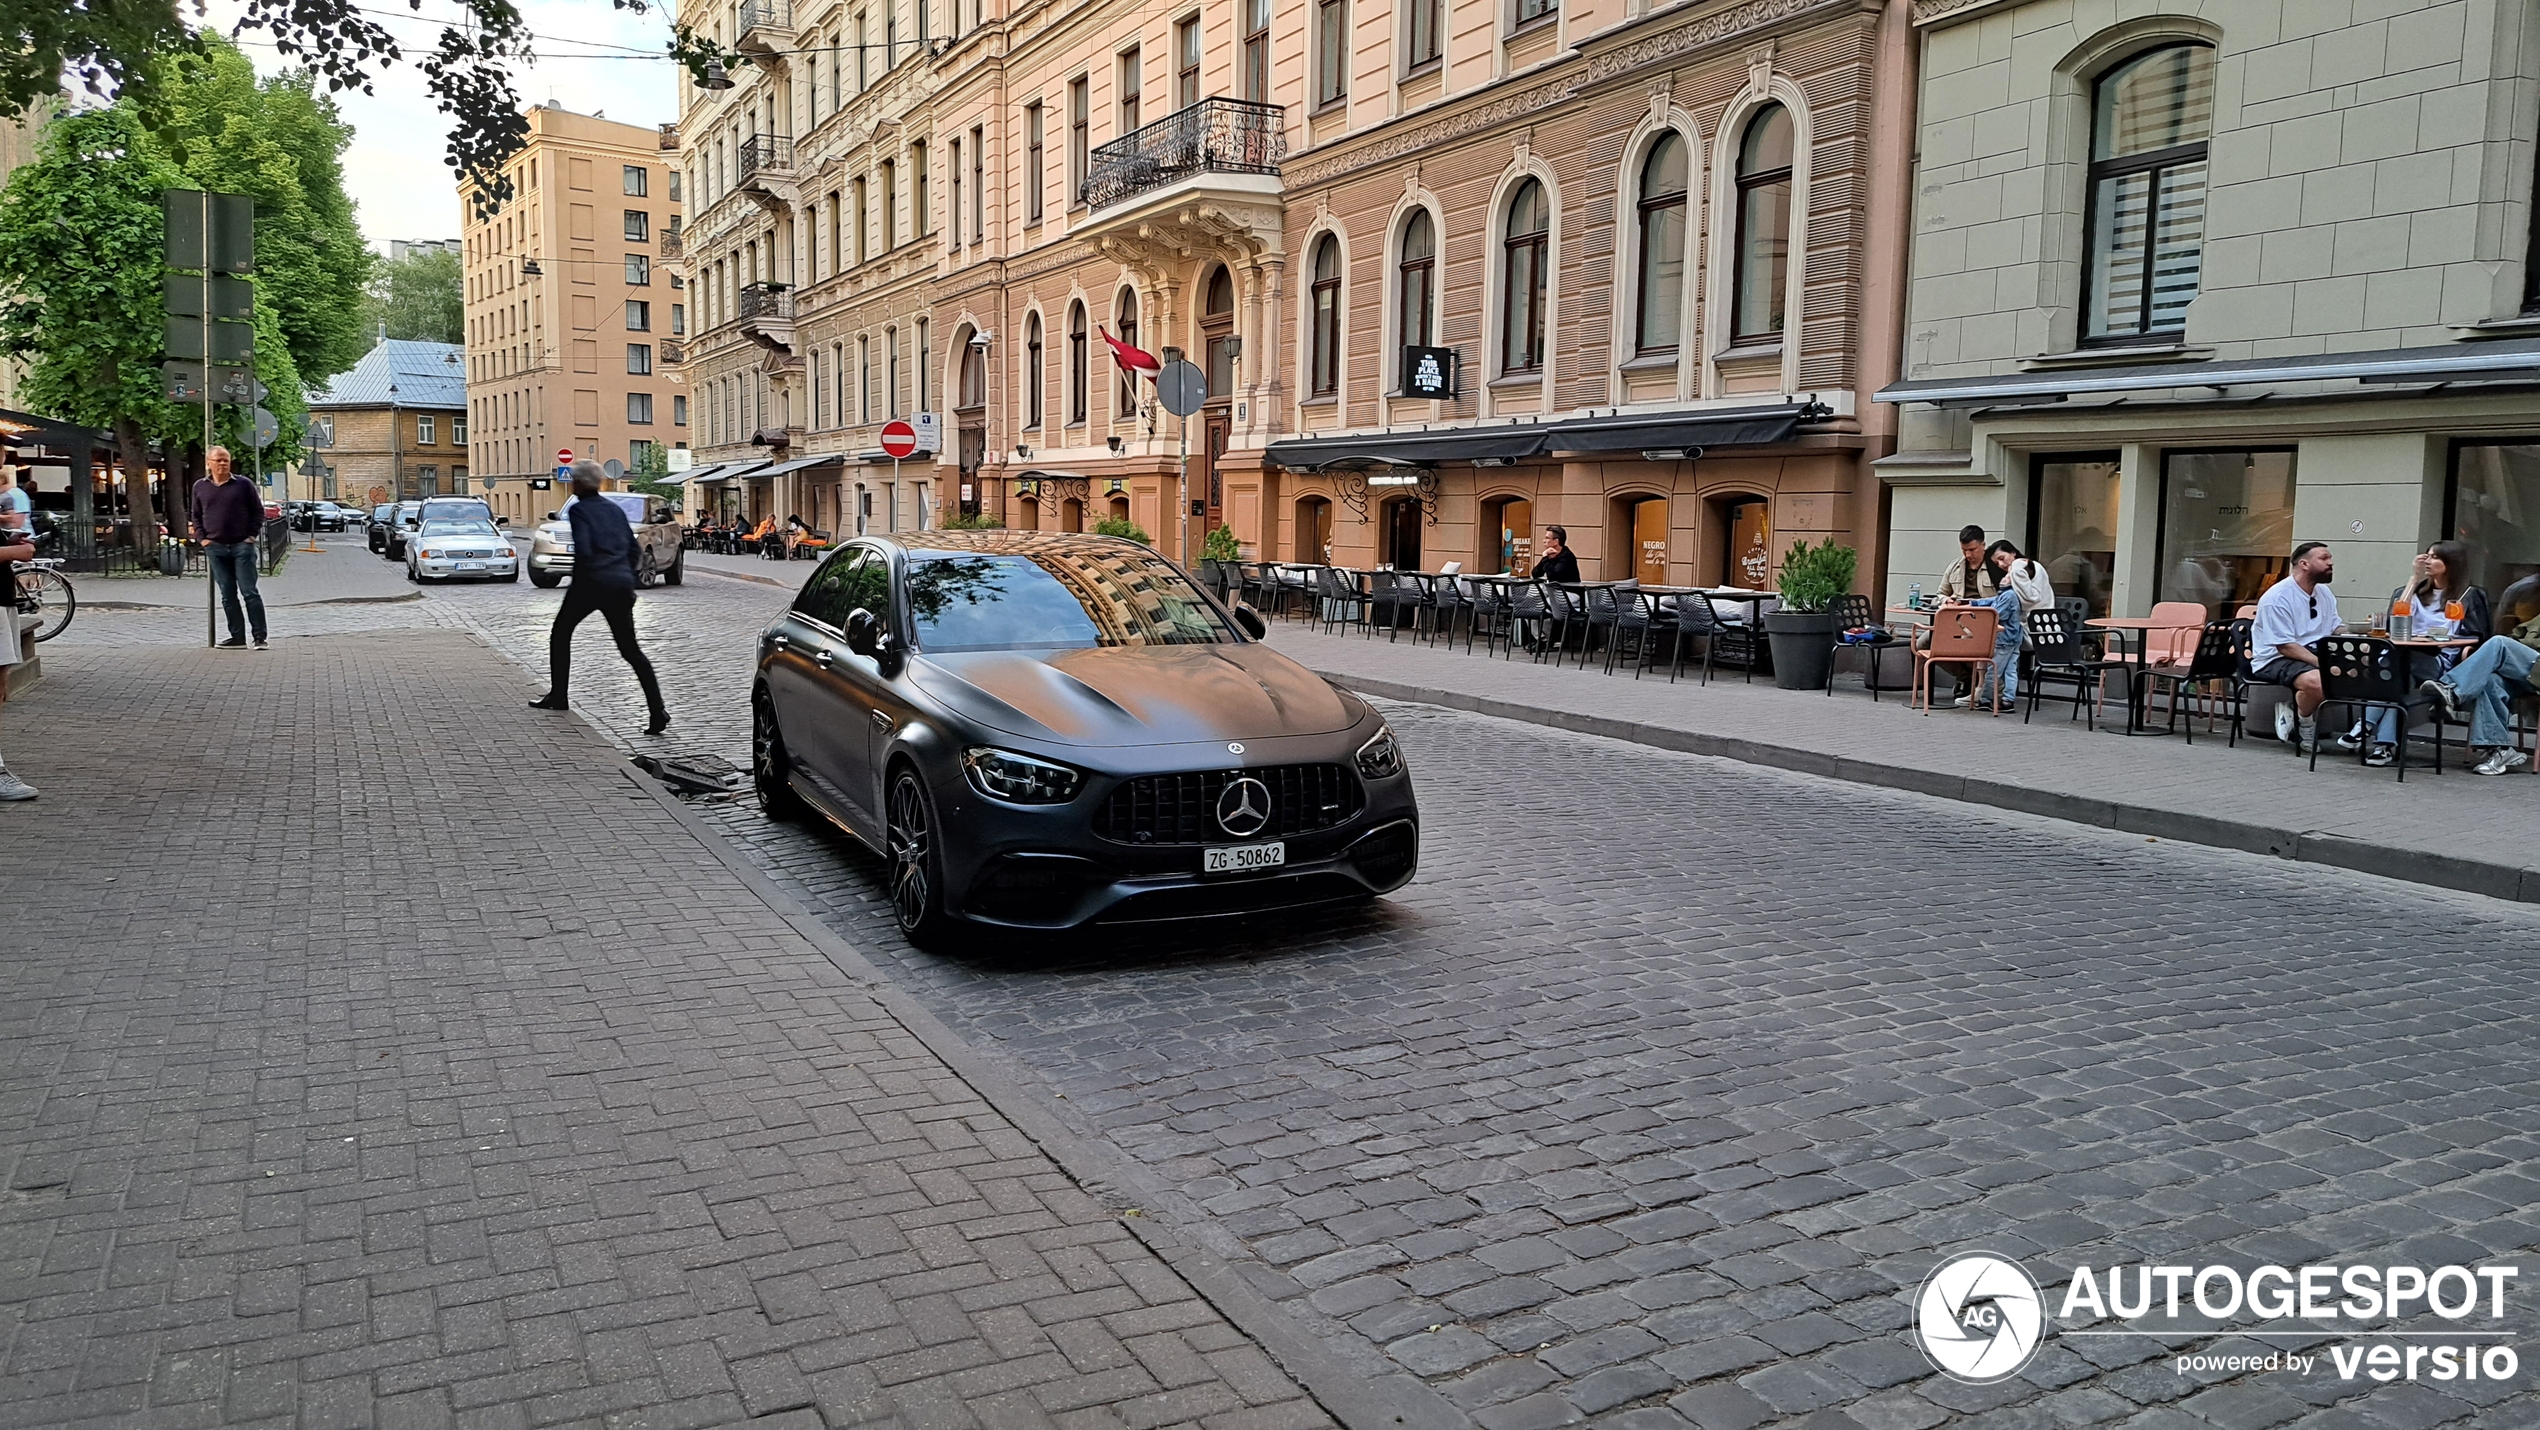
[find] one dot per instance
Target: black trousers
(616, 605)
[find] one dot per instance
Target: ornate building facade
(1453, 271)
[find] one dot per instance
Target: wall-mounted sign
(1429, 372)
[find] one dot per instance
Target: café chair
(2058, 655)
(1344, 600)
(2213, 674)
(1852, 612)
(1960, 635)
(1698, 619)
(2370, 674)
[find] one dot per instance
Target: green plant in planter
(1123, 526)
(1220, 545)
(1812, 576)
(980, 522)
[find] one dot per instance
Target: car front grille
(1182, 809)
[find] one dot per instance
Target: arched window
(1032, 371)
(1522, 274)
(2150, 120)
(1324, 377)
(1662, 245)
(1416, 281)
(974, 376)
(1076, 364)
(1763, 226)
(1124, 397)
(1217, 331)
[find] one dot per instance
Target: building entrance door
(1750, 554)
(1649, 541)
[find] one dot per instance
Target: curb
(2338, 851)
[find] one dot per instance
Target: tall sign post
(1182, 388)
(211, 320)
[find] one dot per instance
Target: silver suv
(657, 552)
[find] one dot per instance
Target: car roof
(1003, 542)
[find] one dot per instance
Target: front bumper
(499, 565)
(543, 559)
(1042, 867)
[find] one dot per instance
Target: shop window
(2494, 509)
(2072, 523)
(2226, 526)
(2150, 120)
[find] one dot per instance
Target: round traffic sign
(564, 456)
(898, 438)
(616, 469)
(264, 427)
(1182, 387)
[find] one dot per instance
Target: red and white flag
(1134, 359)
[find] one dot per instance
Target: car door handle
(882, 719)
(780, 642)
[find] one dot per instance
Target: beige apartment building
(2195, 282)
(1454, 270)
(573, 322)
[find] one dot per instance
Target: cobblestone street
(1654, 1098)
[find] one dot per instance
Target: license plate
(471, 565)
(1243, 858)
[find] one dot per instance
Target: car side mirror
(1250, 620)
(550, 516)
(864, 634)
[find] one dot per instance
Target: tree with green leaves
(420, 296)
(81, 266)
(115, 47)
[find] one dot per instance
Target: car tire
(913, 862)
(543, 582)
(647, 571)
(769, 763)
(678, 570)
(413, 577)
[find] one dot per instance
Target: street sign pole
(211, 586)
(1182, 388)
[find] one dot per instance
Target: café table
(2141, 628)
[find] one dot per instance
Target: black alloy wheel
(916, 879)
(769, 764)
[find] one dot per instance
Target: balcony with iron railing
(1214, 136)
(766, 29)
(674, 244)
(671, 354)
(763, 154)
(766, 311)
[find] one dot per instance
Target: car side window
(824, 596)
(869, 589)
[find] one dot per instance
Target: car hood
(1137, 695)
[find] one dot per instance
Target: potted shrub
(1123, 527)
(1803, 628)
(1220, 545)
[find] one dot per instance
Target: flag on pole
(1134, 359)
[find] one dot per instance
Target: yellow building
(572, 322)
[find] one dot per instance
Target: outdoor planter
(1803, 647)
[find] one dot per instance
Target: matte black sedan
(1041, 731)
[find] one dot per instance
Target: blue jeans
(234, 574)
(2006, 669)
(2488, 679)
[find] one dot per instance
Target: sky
(394, 169)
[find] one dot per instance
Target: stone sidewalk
(2457, 831)
(346, 1082)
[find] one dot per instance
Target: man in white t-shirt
(2292, 614)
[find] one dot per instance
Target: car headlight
(1380, 758)
(429, 554)
(1020, 779)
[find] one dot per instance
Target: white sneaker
(2498, 762)
(2285, 721)
(13, 788)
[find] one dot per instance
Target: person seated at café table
(1969, 579)
(2485, 683)
(2292, 614)
(2437, 587)
(2020, 586)
(761, 534)
(1556, 563)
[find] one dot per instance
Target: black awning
(1678, 431)
(1635, 432)
(1379, 449)
(25, 429)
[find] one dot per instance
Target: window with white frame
(1663, 181)
(1525, 249)
(1760, 266)
(1323, 344)
(2151, 117)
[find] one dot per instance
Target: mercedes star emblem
(1243, 809)
(1236, 748)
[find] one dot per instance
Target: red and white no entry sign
(564, 456)
(898, 439)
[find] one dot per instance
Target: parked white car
(448, 548)
(658, 556)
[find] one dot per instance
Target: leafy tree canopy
(114, 47)
(420, 296)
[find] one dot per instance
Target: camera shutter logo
(1243, 808)
(1979, 1318)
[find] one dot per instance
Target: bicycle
(45, 593)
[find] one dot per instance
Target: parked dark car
(1044, 731)
(375, 531)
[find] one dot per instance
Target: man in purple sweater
(229, 516)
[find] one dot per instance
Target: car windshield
(631, 503)
(453, 526)
(1058, 597)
